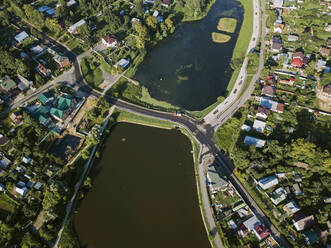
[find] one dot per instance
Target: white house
(21, 37)
(259, 126)
(2, 187)
(278, 195)
(22, 191)
(73, 29)
(156, 13)
(246, 128)
(26, 160)
(109, 41)
(291, 208)
(268, 182)
(272, 105)
(254, 141)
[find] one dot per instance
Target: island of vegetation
(227, 25)
(220, 38)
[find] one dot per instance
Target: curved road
(203, 132)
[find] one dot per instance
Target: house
(122, 63)
(134, 20)
(327, 27)
(278, 196)
(251, 223)
(270, 80)
(246, 128)
(272, 105)
(2, 187)
(21, 37)
(65, 107)
(297, 60)
(320, 64)
(296, 189)
(26, 160)
(262, 113)
(268, 182)
(254, 141)
(37, 186)
(155, 13)
(109, 41)
(3, 140)
(16, 118)
(36, 49)
(259, 126)
(46, 97)
(73, 29)
(278, 28)
(4, 163)
(291, 208)
(293, 37)
(261, 231)
(23, 83)
(41, 114)
(43, 9)
(328, 43)
(269, 90)
(310, 237)
(21, 191)
(302, 222)
(160, 19)
(276, 44)
(43, 70)
(287, 82)
(324, 51)
(215, 181)
(166, 3)
(278, 3)
(7, 85)
(61, 61)
(327, 199)
(71, 3)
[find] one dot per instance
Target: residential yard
(6, 204)
(226, 199)
(227, 25)
(91, 72)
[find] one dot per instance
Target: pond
(144, 193)
(188, 69)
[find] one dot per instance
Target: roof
(4, 140)
(7, 83)
(263, 110)
(268, 182)
(269, 90)
(251, 222)
(57, 112)
(278, 196)
(301, 222)
(327, 89)
(292, 37)
(72, 28)
(43, 8)
(297, 189)
(64, 102)
(166, 2)
(298, 55)
(259, 125)
(270, 104)
(215, 180)
(21, 37)
(36, 49)
(109, 39)
(291, 208)
(254, 141)
(45, 97)
(297, 62)
(261, 231)
(276, 46)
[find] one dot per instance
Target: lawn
(146, 97)
(91, 73)
(220, 38)
(226, 199)
(6, 204)
(227, 25)
(124, 116)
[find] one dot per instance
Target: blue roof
(43, 8)
(50, 11)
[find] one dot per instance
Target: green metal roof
(64, 102)
(215, 179)
(7, 83)
(44, 97)
(57, 112)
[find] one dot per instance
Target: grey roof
(215, 180)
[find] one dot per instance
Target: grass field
(227, 25)
(220, 38)
(91, 73)
(124, 116)
(146, 97)
(6, 203)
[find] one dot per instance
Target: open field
(220, 38)
(227, 25)
(91, 73)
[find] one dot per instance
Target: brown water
(144, 193)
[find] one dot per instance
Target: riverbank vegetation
(220, 38)
(227, 25)
(137, 94)
(193, 10)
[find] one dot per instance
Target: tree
(139, 8)
(170, 25)
(113, 21)
(151, 21)
(51, 199)
(302, 150)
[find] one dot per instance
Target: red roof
(110, 39)
(262, 231)
(297, 62)
(292, 79)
